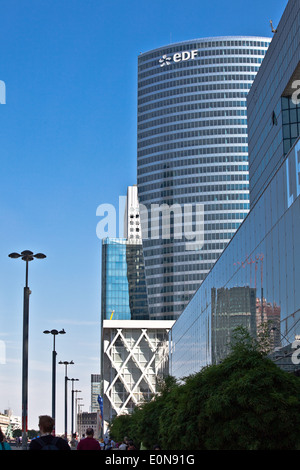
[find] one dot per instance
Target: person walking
(124, 444)
(89, 443)
(3, 444)
(74, 441)
(47, 441)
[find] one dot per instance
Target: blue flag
(100, 401)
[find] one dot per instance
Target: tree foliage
(244, 403)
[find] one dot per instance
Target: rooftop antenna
(273, 30)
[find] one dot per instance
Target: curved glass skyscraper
(192, 160)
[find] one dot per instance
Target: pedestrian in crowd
(124, 444)
(108, 445)
(46, 440)
(3, 444)
(131, 445)
(74, 441)
(89, 443)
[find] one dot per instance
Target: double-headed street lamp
(54, 333)
(26, 256)
(66, 363)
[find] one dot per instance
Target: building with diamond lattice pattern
(135, 357)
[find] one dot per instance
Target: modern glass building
(124, 295)
(95, 390)
(273, 116)
(192, 156)
(256, 278)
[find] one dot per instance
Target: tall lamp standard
(26, 256)
(54, 333)
(77, 412)
(72, 406)
(66, 363)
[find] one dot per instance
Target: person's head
(46, 424)
(89, 432)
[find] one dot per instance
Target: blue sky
(67, 145)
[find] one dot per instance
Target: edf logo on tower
(177, 57)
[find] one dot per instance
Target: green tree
(32, 433)
(17, 432)
(244, 403)
(247, 402)
(120, 427)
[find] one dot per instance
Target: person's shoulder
(97, 443)
(37, 444)
(80, 443)
(62, 443)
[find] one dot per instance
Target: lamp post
(72, 405)
(26, 256)
(80, 425)
(77, 412)
(66, 363)
(54, 333)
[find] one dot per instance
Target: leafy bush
(244, 403)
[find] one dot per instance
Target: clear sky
(68, 145)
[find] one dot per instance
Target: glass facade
(256, 279)
(193, 150)
(124, 295)
(95, 391)
(290, 122)
(272, 116)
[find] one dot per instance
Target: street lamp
(72, 405)
(77, 412)
(54, 333)
(26, 256)
(79, 419)
(75, 409)
(66, 363)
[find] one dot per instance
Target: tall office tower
(124, 295)
(192, 159)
